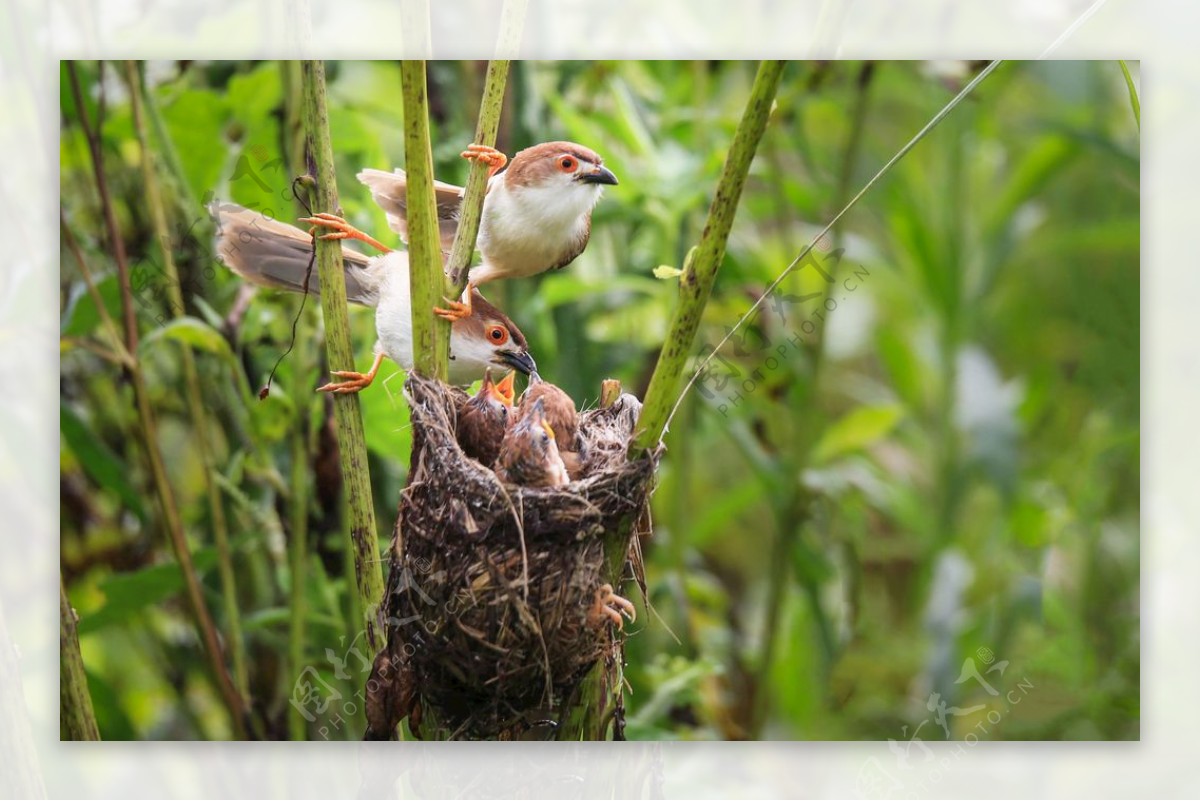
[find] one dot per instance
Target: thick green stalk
(589, 714)
(472, 207)
(76, 719)
(431, 334)
(352, 445)
(149, 432)
(192, 394)
(700, 269)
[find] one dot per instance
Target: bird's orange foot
(341, 230)
(609, 606)
(456, 311)
(493, 158)
(355, 382)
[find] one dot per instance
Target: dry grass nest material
(490, 584)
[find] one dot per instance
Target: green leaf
(101, 464)
(665, 272)
(126, 594)
(81, 316)
(191, 332)
(856, 430)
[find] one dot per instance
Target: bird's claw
(603, 608)
(355, 382)
(456, 311)
(341, 230)
(493, 158)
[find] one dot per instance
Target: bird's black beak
(522, 362)
(602, 175)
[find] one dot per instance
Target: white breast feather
(527, 230)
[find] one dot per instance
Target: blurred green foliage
(907, 487)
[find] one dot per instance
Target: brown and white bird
(528, 455)
(562, 416)
(483, 419)
(537, 213)
(273, 254)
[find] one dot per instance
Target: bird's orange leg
(342, 230)
(493, 158)
(355, 382)
(603, 608)
(457, 310)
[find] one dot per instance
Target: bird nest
(487, 606)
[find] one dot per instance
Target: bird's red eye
(498, 334)
(567, 163)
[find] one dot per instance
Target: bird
(528, 454)
(483, 419)
(537, 213)
(562, 416)
(277, 255)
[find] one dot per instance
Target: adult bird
(537, 213)
(278, 255)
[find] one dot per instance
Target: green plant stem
(301, 434)
(76, 719)
(1134, 103)
(431, 334)
(471, 210)
(590, 714)
(700, 268)
(149, 432)
(352, 444)
(192, 394)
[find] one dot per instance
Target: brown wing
(390, 191)
(271, 253)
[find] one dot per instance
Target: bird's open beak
(601, 175)
(504, 391)
(521, 362)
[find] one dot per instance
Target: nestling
(482, 420)
(529, 455)
(274, 254)
(537, 213)
(562, 416)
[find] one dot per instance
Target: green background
(944, 473)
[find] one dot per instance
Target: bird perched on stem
(528, 455)
(483, 419)
(274, 254)
(537, 213)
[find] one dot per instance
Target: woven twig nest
(490, 584)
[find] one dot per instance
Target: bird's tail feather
(277, 255)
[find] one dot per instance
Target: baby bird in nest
(529, 455)
(562, 416)
(483, 419)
